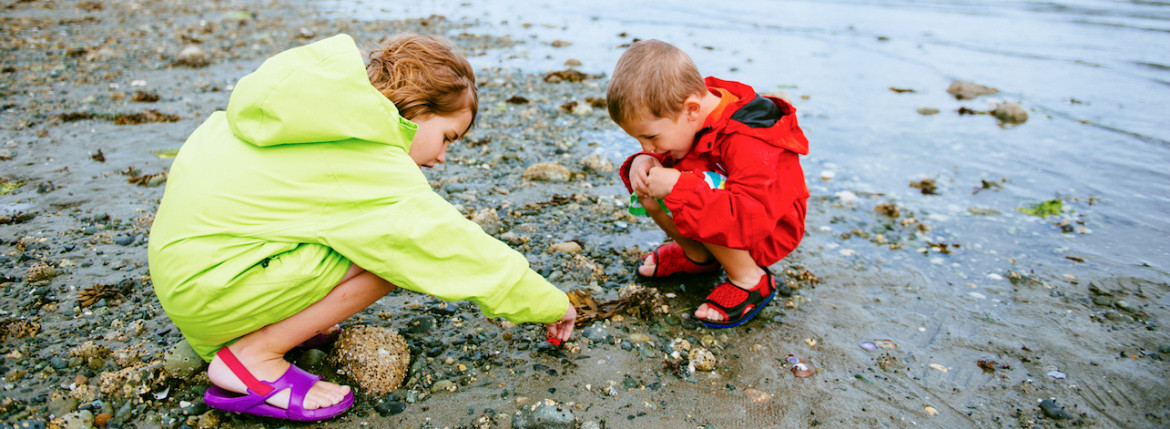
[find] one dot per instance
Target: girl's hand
(562, 329)
(661, 180)
(638, 173)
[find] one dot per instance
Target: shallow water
(1093, 75)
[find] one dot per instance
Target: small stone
(100, 420)
(192, 56)
(208, 420)
(964, 90)
(927, 111)
(1010, 113)
(548, 172)
(390, 408)
(125, 240)
(1126, 306)
(1103, 301)
(598, 164)
(572, 62)
(582, 109)
(565, 247)
(443, 385)
(1053, 411)
(487, 219)
(639, 337)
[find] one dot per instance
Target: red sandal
(669, 259)
(729, 299)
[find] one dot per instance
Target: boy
(718, 172)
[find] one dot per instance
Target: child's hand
(638, 171)
(661, 180)
(562, 329)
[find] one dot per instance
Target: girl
(304, 203)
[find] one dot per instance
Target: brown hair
(423, 75)
(652, 77)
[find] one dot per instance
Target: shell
(801, 368)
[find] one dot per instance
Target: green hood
(317, 93)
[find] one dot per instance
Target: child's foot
(737, 300)
(670, 259)
(322, 394)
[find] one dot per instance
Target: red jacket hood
(770, 119)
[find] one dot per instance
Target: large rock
(374, 358)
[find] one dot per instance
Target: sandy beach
(881, 299)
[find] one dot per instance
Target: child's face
(435, 132)
(664, 135)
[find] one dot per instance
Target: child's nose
(442, 157)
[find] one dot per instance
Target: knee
(651, 205)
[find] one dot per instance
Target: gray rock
(61, 406)
(1053, 411)
(596, 333)
(1126, 306)
(181, 361)
(546, 414)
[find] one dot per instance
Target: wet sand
(80, 189)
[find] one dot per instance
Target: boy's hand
(661, 180)
(638, 173)
(562, 329)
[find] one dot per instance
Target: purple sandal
(297, 380)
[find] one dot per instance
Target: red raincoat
(756, 142)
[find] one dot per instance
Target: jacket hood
(770, 119)
(315, 93)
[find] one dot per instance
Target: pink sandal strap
(238, 369)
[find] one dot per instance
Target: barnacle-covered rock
(374, 358)
(641, 301)
(701, 359)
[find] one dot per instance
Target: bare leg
(694, 250)
(741, 269)
(262, 352)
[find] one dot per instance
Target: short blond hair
(652, 77)
(423, 75)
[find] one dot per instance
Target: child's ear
(693, 107)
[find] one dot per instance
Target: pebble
(1126, 306)
(1103, 301)
(701, 359)
(125, 240)
(565, 247)
(596, 333)
(964, 90)
(192, 56)
(443, 385)
(927, 111)
(1053, 411)
(390, 408)
(548, 172)
(1010, 113)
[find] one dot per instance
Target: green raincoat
(268, 204)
